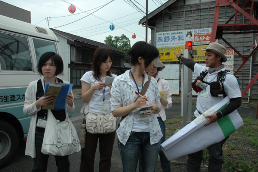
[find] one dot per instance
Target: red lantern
(134, 36)
(71, 9)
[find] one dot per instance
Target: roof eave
(153, 13)
(87, 43)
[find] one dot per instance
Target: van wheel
(9, 142)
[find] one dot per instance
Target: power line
(134, 6)
(76, 13)
(110, 22)
(95, 31)
(154, 2)
(40, 21)
(100, 28)
(103, 22)
(159, 1)
(85, 16)
(118, 28)
(139, 4)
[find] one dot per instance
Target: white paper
(201, 138)
(195, 136)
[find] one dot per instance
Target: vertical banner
(189, 35)
(202, 36)
(229, 64)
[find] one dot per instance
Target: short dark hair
(142, 49)
(100, 56)
(55, 58)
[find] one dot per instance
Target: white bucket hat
(217, 49)
(158, 64)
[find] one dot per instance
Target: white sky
(90, 27)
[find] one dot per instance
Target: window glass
(74, 81)
(78, 73)
(74, 72)
(14, 53)
(78, 81)
(42, 46)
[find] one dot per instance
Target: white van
(21, 45)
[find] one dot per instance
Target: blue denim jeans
(41, 160)
(165, 163)
(139, 142)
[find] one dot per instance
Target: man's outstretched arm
(188, 62)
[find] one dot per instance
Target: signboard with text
(178, 38)
(170, 39)
(167, 42)
(167, 53)
(229, 64)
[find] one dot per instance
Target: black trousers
(41, 160)
(215, 160)
(106, 142)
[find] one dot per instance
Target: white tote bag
(60, 138)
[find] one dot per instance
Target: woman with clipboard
(50, 65)
(138, 132)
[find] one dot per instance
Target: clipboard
(59, 91)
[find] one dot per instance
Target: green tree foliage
(121, 43)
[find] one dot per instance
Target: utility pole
(48, 18)
(146, 24)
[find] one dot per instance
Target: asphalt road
(22, 163)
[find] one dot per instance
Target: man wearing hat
(216, 83)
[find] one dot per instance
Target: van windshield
(42, 46)
(14, 53)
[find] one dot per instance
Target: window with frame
(76, 75)
(43, 46)
(14, 53)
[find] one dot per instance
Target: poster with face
(189, 35)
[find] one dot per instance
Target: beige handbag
(83, 129)
(97, 123)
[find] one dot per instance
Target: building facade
(80, 51)
(178, 15)
(14, 12)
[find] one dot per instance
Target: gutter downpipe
(154, 39)
(250, 77)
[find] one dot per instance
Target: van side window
(14, 53)
(42, 46)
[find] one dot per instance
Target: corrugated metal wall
(201, 15)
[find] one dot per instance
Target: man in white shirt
(214, 84)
